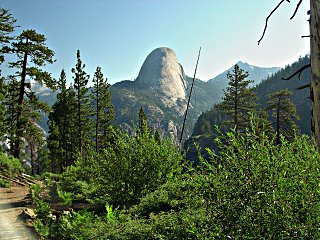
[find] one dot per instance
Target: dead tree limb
(267, 19)
(296, 10)
(298, 72)
(303, 87)
(185, 115)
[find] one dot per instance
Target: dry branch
(298, 72)
(296, 10)
(303, 87)
(267, 19)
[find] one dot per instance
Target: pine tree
(55, 150)
(6, 27)
(62, 132)
(142, 122)
(284, 112)
(29, 48)
(11, 100)
(35, 139)
(3, 93)
(103, 110)
(84, 110)
(238, 101)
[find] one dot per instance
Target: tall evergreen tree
(284, 113)
(6, 27)
(62, 132)
(29, 48)
(84, 110)
(11, 100)
(103, 110)
(238, 100)
(142, 122)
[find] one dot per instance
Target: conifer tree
(11, 100)
(84, 110)
(29, 48)
(55, 150)
(103, 110)
(238, 101)
(6, 27)
(62, 132)
(284, 112)
(142, 122)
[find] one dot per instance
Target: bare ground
(13, 223)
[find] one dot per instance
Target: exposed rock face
(162, 72)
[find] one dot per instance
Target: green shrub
(252, 189)
(9, 165)
(4, 183)
(124, 172)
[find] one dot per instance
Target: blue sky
(117, 35)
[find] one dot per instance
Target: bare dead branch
(296, 10)
(307, 36)
(298, 72)
(185, 116)
(267, 19)
(303, 87)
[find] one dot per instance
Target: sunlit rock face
(162, 72)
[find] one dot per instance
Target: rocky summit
(162, 72)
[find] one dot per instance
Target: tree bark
(19, 126)
(315, 68)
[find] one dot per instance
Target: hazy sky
(119, 34)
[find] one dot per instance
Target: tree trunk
(278, 122)
(19, 126)
(98, 117)
(315, 68)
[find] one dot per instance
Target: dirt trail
(12, 225)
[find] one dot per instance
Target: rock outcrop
(162, 72)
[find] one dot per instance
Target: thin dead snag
(296, 10)
(267, 19)
(185, 116)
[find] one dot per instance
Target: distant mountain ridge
(257, 74)
(162, 88)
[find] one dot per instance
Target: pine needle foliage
(283, 113)
(238, 100)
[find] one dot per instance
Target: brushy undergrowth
(251, 189)
(10, 167)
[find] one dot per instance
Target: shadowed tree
(6, 27)
(238, 100)
(32, 53)
(142, 122)
(84, 110)
(62, 127)
(283, 112)
(103, 110)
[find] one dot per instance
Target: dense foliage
(252, 189)
(124, 172)
(9, 167)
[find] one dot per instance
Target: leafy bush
(124, 172)
(4, 183)
(252, 189)
(9, 165)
